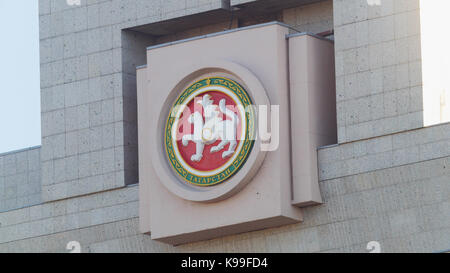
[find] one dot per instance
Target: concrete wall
(378, 67)
(20, 179)
(313, 18)
(88, 84)
(392, 188)
(404, 207)
(89, 135)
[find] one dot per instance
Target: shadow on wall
(134, 45)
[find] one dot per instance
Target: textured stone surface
(385, 152)
(405, 208)
(69, 214)
(20, 179)
(313, 18)
(88, 84)
(393, 189)
(88, 90)
(378, 67)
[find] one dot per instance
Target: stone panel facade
(378, 67)
(405, 208)
(88, 89)
(386, 181)
(20, 179)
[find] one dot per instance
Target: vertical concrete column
(313, 112)
(378, 67)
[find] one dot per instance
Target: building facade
(386, 179)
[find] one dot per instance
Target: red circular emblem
(209, 132)
(210, 160)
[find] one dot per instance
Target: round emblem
(210, 131)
